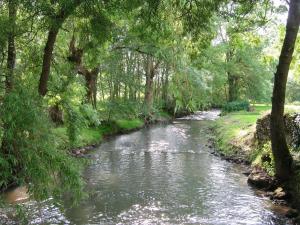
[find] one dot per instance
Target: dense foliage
(236, 106)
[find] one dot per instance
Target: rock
(269, 194)
(260, 179)
(292, 129)
(279, 193)
(77, 152)
(247, 173)
(279, 202)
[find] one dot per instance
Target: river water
(163, 174)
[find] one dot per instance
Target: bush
(236, 106)
(29, 153)
(91, 115)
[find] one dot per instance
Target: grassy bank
(88, 136)
(94, 135)
(234, 132)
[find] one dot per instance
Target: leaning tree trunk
(57, 22)
(47, 58)
(282, 156)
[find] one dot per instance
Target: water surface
(164, 174)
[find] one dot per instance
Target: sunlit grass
(233, 126)
(94, 135)
(129, 124)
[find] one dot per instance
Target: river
(163, 174)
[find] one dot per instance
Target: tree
(150, 70)
(11, 48)
(90, 76)
(57, 21)
(282, 157)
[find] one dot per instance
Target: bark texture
(282, 156)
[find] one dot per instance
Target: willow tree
(282, 157)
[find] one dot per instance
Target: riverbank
(236, 141)
(234, 134)
(91, 137)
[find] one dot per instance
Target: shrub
(236, 106)
(91, 115)
(29, 154)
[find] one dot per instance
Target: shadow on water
(162, 175)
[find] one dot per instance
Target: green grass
(128, 125)
(233, 126)
(94, 135)
(233, 132)
(90, 136)
(261, 107)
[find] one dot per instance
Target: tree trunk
(232, 80)
(165, 86)
(90, 76)
(57, 22)
(11, 48)
(282, 156)
(91, 86)
(150, 73)
(56, 114)
(232, 87)
(47, 59)
(148, 101)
